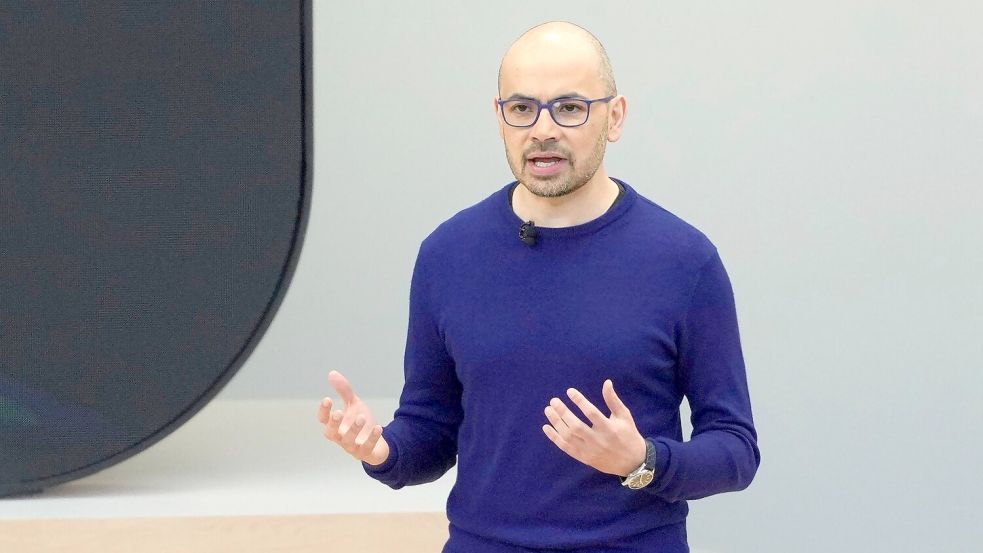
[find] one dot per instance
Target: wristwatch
(645, 473)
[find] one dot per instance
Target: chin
(549, 191)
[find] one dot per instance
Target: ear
(616, 117)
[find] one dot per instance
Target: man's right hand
(354, 429)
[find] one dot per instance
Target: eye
(520, 107)
(570, 107)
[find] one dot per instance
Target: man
(550, 366)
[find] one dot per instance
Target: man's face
(546, 74)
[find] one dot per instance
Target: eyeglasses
(566, 112)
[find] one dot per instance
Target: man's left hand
(612, 444)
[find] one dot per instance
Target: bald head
(561, 36)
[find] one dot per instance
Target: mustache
(547, 150)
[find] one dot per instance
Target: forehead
(547, 71)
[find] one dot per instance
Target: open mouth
(545, 166)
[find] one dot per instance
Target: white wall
(831, 150)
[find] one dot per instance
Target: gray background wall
(831, 150)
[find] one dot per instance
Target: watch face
(641, 480)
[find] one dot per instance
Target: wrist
(644, 474)
(639, 453)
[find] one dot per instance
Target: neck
(584, 204)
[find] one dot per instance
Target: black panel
(155, 185)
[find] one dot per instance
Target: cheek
(513, 157)
(514, 149)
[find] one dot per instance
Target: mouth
(544, 165)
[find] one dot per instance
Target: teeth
(544, 163)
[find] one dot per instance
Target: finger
(555, 420)
(560, 425)
(343, 387)
(348, 420)
(331, 430)
(366, 428)
(558, 440)
(324, 410)
(614, 402)
(593, 414)
(348, 436)
(576, 426)
(363, 449)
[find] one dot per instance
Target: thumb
(614, 403)
(342, 386)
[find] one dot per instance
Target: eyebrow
(520, 96)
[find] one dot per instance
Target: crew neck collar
(612, 214)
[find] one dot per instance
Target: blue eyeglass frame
(546, 105)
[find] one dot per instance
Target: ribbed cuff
(661, 463)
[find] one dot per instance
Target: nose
(545, 127)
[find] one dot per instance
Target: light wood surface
(362, 533)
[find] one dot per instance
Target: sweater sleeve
(722, 454)
(423, 434)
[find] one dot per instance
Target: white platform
(237, 457)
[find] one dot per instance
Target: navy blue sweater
(497, 328)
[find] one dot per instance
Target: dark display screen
(154, 193)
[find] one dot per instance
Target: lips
(544, 156)
(544, 166)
